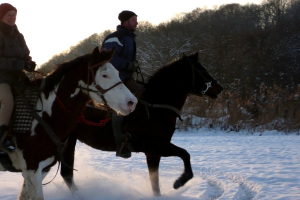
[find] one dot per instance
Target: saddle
(21, 118)
(25, 100)
(26, 94)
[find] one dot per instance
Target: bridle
(208, 83)
(100, 91)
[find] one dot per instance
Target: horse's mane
(55, 77)
(164, 71)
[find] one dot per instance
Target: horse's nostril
(130, 103)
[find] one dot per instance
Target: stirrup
(123, 152)
(9, 145)
(6, 146)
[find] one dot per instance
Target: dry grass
(269, 108)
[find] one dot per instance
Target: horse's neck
(171, 87)
(171, 94)
(62, 110)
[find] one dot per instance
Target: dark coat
(124, 42)
(14, 54)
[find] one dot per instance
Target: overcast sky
(49, 27)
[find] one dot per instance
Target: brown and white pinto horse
(64, 96)
(152, 124)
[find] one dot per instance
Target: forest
(252, 50)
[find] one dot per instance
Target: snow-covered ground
(226, 166)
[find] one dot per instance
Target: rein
(80, 118)
(162, 106)
(208, 83)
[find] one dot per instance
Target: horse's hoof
(124, 154)
(157, 194)
(177, 184)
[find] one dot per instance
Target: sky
(226, 165)
(50, 27)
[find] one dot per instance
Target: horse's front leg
(32, 186)
(68, 156)
(169, 149)
(153, 167)
(186, 158)
(24, 192)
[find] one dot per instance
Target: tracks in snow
(212, 185)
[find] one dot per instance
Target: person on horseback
(14, 57)
(124, 60)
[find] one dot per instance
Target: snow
(226, 166)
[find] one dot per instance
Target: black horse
(152, 124)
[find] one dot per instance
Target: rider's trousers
(7, 103)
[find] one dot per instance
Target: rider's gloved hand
(30, 66)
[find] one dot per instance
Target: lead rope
(80, 118)
(54, 175)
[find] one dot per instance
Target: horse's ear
(198, 54)
(95, 51)
(112, 51)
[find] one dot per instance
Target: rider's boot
(7, 143)
(122, 149)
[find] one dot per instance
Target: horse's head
(202, 82)
(105, 78)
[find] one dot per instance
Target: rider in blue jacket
(124, 60)
(125, 54)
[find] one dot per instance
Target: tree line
(252, 50)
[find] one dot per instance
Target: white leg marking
(24, 192)
(2, 168)
(34, 179)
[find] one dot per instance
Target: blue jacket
(124, 42)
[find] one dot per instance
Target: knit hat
(4, 8)
(125, 15)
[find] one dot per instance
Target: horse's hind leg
(153, 166)
(68, 156)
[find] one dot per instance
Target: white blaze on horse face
(118, 98)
